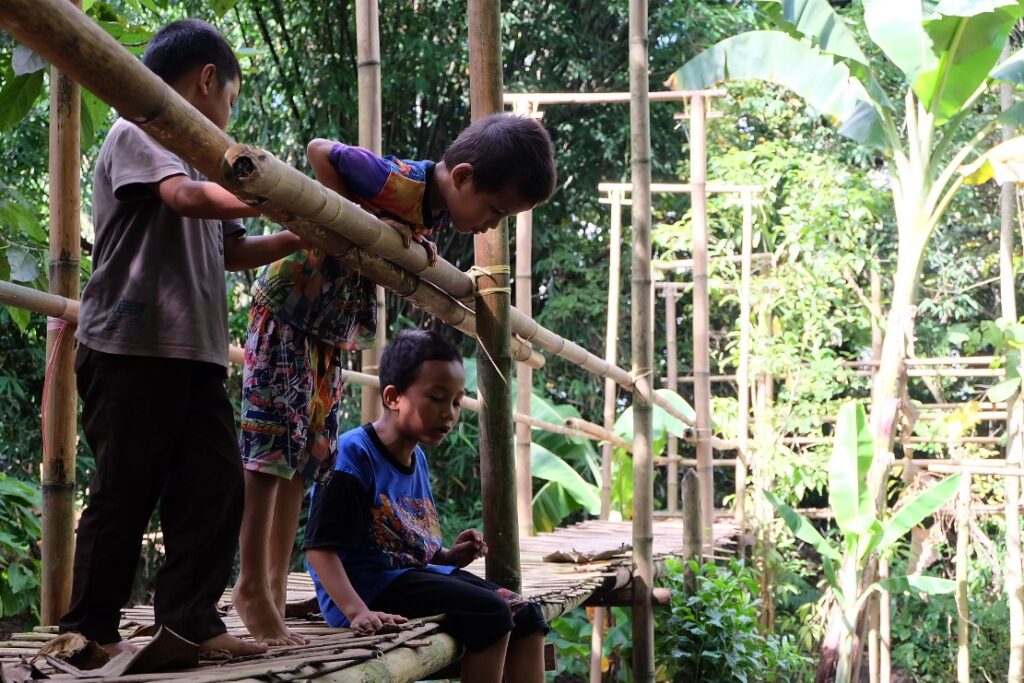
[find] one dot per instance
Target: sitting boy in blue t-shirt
(373, 541)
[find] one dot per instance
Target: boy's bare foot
(227, 646)
(120, 647)
(261, 618)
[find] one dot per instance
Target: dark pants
(476, 613)
(162, 431)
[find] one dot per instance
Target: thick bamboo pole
(368, 73)
(672, 351)
(642, 332)
(524, 374)
(60, 400)
(743, 368)
(611, 343)
(1015, 417)
(701, 337)
(692, 533)
(497, 456)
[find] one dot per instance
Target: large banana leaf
(546, 465)
(920, 506)
(1004, 162)
(803, 529)
(896, 26)
(852, 452)
(1011, 70)
(931, 585)
(967, 38)
(816, 20)
(773, 56)
(551, 505)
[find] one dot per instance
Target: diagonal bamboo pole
(368, 74)
(60, 400)
(491, 252)
(68, 38)
(642, 331)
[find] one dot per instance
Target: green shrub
(713, 636)
(20, 502)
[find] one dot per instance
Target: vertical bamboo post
(642, 331)
(494, 367)
(873, 619)
(672, 351)
(524, 373)
(884, 627)
(743, 369)
(1014, 419)
(963, 522)
(701, 340)
(611, 349)
(762, 437)
(611, 352)
(368, 73)
(692, 533)
(60, 400)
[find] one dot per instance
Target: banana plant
(947, 51)
(863, 537)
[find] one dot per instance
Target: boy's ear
(206, 78)
(390, 396)
(461, 174)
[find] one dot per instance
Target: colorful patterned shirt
(377, 514)
(315, 292)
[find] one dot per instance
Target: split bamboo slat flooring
(421, 648)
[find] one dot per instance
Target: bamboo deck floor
(414, 652)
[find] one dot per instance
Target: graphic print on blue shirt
(377, 515)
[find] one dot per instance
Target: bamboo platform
(416, 651)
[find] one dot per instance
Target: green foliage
(714, 635)
(20, 506)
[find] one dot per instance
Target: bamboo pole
(539, 98)
(60, 399)
(742, 371)
(672, 351)
(368, 70)
(642, 332)
(611, 348)
(497, 457)
(524, 374)
(64, 309)
(691, 529)
(963, 525)
(1014, 580)
(884, 626)
(701, 337)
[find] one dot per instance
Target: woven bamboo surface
(341, 654)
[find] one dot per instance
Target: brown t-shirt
(157, 287)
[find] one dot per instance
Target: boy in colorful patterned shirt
(308, 307)
(373, 541)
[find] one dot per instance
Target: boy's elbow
(319, 148)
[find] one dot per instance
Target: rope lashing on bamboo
(477, 272)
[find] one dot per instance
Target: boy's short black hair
(183, 45)
(400, 364)
(507, 149)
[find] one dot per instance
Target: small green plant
(864, 537)
(713, 635)
(20, 502)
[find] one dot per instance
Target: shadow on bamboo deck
(415, 652)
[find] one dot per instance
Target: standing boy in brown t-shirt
(152, 361)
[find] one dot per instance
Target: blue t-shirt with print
(376, 514)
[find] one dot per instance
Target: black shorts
(475, 612)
